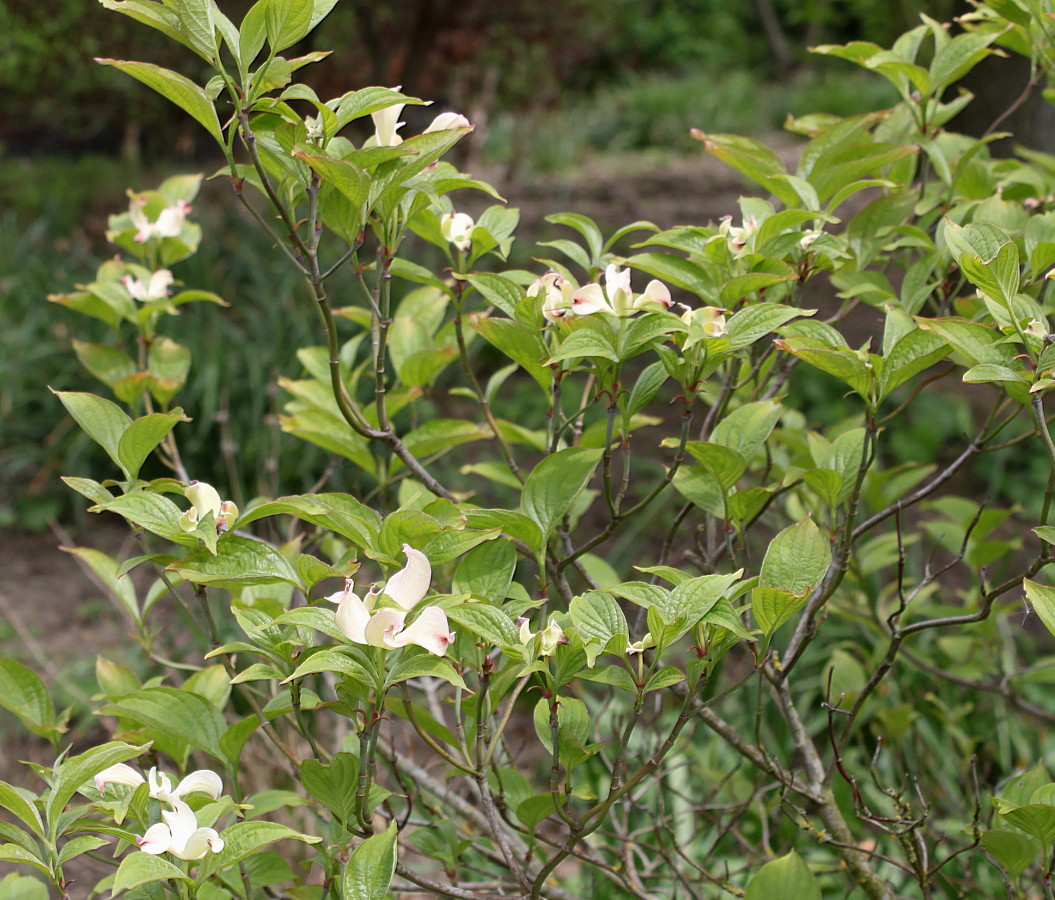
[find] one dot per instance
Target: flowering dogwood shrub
(637, 624)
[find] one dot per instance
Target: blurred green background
(557, 89)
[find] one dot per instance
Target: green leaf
(154, 512)
(753, 159)
(613, 675)
(677, 271)
(555, 484)
(651, 379)
(23, 693)
(1013, 851)
(486, 571)
(181, 716)
(698, 485)
(1037, 819)
(371, 867)
(998, 277)
(89, 488)
(239, 562)
(521, 344)
(534, 809)
(797, 559)
(499, 291)
(333, 785)
(175, 87)
(845, 364)
(663, 678)
(975, 342)
(168, 365)
(424, 663)
(692, 599)
(348, 178)
(142, 437)
(141, 868)
(103, 421)
(573, 730)
(156, 15)
(909, 356)
(772, 607)
(988, 257)
(78, 846)
(735, 289)
(835, 174)
(585, 343)
(22, 887)
(747, 428)
(244, 839)
(795, 563)
(1042, 599)
(826, 483)
(986, 373)
(234, 739)
(286, 22)
(749, 324)
(723, 464)
(788, 878)
(1012, 10)
(486, 622)
(197, 21)
(333, 659)
(448, 545)
(73, 773)
(340, 513)
(356, 104)
(585, 226)
(106, 363)
(19, 854)
(19, 802)
(598, 619)
(956, 58)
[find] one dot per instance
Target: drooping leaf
(175, 87)
(788, 878)
(371, 867)
(238, 562)
(183, 717)
(243, 839)
(140, 868)
(555, 483)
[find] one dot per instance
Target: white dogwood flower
(169, 223)
(458, 229)
(656, 292)
(550, 636)
(446, 121)
(202, 781)
(709, 319)
(180, 835)
(736, 236)
(617, 296)
(205, 499)
(642, 645)
(386, 124)
(557, 292)
(386, 627)
(156, 287)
